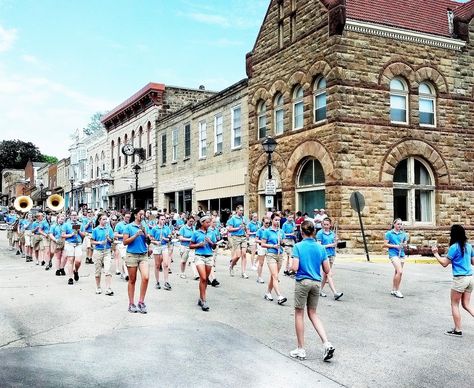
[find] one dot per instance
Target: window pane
(401, 172)
(318, 172)
(427, 118)
(306, 175)
(396, 84)
(423, 205)
(400, 204)
(187, 141)
(298, 115)
(422, 176)
(424, 89)
(398, 102)
(322, 83)
(262, 126)
(298, 93)
(426, 111)
(310, 200)
(279, 116)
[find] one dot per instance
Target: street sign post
(270, 187)
(357, 202)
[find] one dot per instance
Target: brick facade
(357, 145)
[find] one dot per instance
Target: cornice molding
(404, 35)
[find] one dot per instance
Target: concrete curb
(380, 259)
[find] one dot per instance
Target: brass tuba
(55, 202)
(23, 204)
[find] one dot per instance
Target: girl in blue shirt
(461, 257)
(261, 251)
(396, 242)
(160, 236)
(327, 238)
(252, 228)
(185, 234)
(55, 234)
(203, 258)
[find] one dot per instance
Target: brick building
(375, 97)
(203, 153)
(133, 122)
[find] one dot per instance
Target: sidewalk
(377, 258)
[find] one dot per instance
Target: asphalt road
(52, 334)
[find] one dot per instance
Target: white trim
(202, 129)
(232, 128)
(216, 118)
(402, 34)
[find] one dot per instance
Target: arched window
(102, 159)
(125, 141)
(310, 186)
(279, 114)
(97, 167)
(112, 154)
(119, 155)
(319, 92)
(140, 137)
(413, 191)
(398, 101)
(148, 136)
(91, 163)
(298, 108)
(133, 144)
(262, 119)
(427, 104)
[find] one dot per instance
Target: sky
(63, 60)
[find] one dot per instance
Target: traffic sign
(357, 201)
(270, 187)
(269, 201)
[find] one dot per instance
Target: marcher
(308, 258)
(461, 257)
(134, 238)
(252, 228)
(396, 242)
(72, 247)
(261, 251)
(238, 241)
(289, 228)
(327, 238)
(101, 241)
(57, 245)
(160, 236)
(204, 257)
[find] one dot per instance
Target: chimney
(451, 21)
(202, 87)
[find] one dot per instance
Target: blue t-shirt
(67, 229)
(56, 231)
(274, 237)
(213, 234)
(119, 229)
(179, 222)
(261, 232)
(22, 225)
(253, 226)
(198, 237)
(186, 232)
(325, 239)
(137, 246)
(161, 233)
(289, 230)
(45, 227)
(235, 222)
(395, 238)
(100, 233)
(461, 263)
(11, 218)
(310, 255)
(29, 225)
(87, 225)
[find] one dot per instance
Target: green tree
(49, 159)
(95, 124)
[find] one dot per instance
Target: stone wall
(357, 145)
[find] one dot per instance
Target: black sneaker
(454, 333)
(50, 265)
(76, 276)
(126, 278)
(70, 281)
(47, 268)
(58, 272)
(17, 253)
(215, 283)
(62, 272)
(208, 282)
(43, 263)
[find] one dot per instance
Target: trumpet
(23, 203)
(55, 202)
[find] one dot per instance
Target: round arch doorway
(310, 187)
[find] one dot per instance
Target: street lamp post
(41, 195)
(71, 181)
(136, 169)
(269, 144)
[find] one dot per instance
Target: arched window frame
(112, 155)
(148, 138)
(119, 155)
(91, 162)
(132, 141)
(319, 186)
(398, 95)
(427, 98)
(298, 107)
(279, 114)
(417, 201)
(102, 158)
(319, 100)
(261, 119)
(125, 141)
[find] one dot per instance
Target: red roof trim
(465, 12)
(129, 101)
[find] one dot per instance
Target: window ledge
(202, 158)
(236, 148)
(427, 126)
(163, 165)
(321, 122)
(174, 162)
(186, 158)
(217, 153)
(399, 123)
(297, 129)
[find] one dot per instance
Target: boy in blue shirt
(101, 241)
(396, 242)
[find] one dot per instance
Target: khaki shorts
(28, 235)
(462, 284)
(134, 259)
(87, 241)
(238, 242)
(9, 234)
(252, 241)
(274, 258)
(288, 246)
(15, 237)
(73, 250)
(37, 242)
(184, 253)
(21, 237)
(307, 293)
(160, 249)
(261, 251)
(102, 258)
(122, 249)
(206, 260)
(59, 245)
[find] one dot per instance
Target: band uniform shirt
(120, 228)
(198, 237)
(235, 222)
(67, 229)
(137, 246)
(289, 229)
(161, 233)
(460, 263)
(325, 239)
(311, 255)
(186, 232)
(100, 233)
(395, 238)
(274, 237)
(253, 226)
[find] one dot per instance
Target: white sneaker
(298, 353)
(268, 296)
(328, 351)
(109, 292)
(182, 276)
(398, 294)
(322, 294)
(260, 280)
(98, 291)
(392, 292)
(245, 276)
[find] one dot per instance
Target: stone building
(13, 183)
(202, 153)
(133, 122)
(98, 171)
(375, 97)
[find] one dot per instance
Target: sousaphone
(55, 202)
(23, 203)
